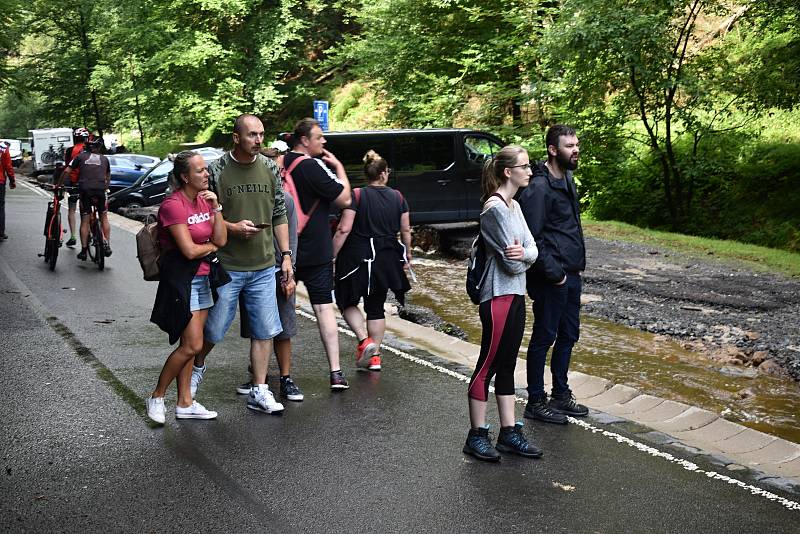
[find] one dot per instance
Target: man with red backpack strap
(6, 169)
(316, 189)
(80, 136)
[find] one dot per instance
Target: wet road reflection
(650, 363)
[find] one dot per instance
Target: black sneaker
(338, 381)
(107, 249)
(568, 406)
(479, 445)
(82, 255)
(71, 242)
(289, 389)
(244, 389)
(539, 410)
(512, 440)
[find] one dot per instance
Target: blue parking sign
(321, 113)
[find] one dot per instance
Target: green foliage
(746, 187)
(669, 96)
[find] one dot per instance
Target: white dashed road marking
(652, 451)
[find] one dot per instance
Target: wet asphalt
(78, 454)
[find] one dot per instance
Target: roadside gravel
(740, 317)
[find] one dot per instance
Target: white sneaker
(195, 411)
(262, 400)
(197, 379)
(156, 410)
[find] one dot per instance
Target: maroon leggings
(503, 320)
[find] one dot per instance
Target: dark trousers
(503, 321)
(2, 208)
(556, 318)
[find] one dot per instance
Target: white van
(48, 147)
(14, 150)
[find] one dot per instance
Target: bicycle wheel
(99, 252)
(46, 254)
(52, 255)
(54, 243)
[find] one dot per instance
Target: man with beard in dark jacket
(550, 206)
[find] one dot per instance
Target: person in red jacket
(6, 169)
(80, 137)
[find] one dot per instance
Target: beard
(565, 162)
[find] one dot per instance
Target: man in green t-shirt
(253, 207)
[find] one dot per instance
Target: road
(79, 356)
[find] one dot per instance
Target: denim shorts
(258, 289)
(200, 298)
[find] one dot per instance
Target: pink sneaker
(364, 351)
(375, 363)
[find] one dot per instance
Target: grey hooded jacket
(500, 226)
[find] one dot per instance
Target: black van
(437, 170)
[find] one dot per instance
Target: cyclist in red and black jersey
(94, 175)
(80, 137)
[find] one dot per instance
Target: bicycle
(52, 226)
(97, 240)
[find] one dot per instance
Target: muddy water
(650, 363)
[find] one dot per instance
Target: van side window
(351, 153)
(479, 149)
(422, 153)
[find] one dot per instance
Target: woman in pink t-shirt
(190, 221)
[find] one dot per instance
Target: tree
(647, 60)
(443, 62)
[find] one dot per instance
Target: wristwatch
(218, 208)
(286, 253)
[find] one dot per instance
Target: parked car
(437, 170)
(151, 188)
(124, 172)
(146, 162)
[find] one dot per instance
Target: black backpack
(476, 269)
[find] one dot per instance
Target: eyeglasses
(529, 165)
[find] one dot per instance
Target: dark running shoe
(568, 406)
(479, 445)
(338, 381)
(71, 242)
(539, 410)
(289, 390)
(82, 255)
(512, 440)
(107, 249)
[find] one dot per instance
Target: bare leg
(260, 350)
(283, 353)
(185, 385)
(71, 220)
(355, 320)
(106, 226)
(200, 359)
(505, 406)
(326, 320)
(181, 358)
(376, 328)
(84, 231)
(477, 413)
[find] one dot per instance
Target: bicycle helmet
(81, 133)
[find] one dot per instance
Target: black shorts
(72, 200)
(97, 198)
(318, 280)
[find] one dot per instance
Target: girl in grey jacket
(510, 250)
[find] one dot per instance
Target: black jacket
(550, 207)
(171, 308)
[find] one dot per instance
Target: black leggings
(503, 320)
